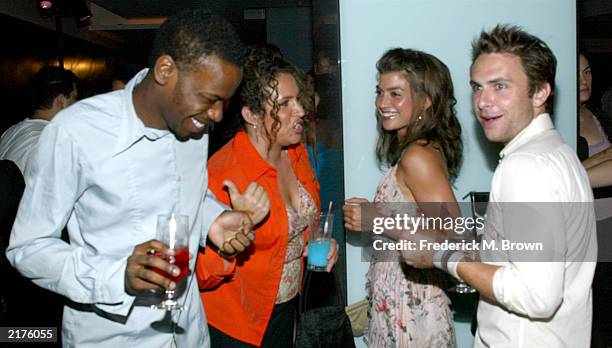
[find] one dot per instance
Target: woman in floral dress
(420, 142)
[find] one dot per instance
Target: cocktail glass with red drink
(173, 230)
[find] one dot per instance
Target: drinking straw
(326, 225)
(172, 231)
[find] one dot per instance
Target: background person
(596, 132)
(52, 89)
(123, 74)
(595, 125)
(22, 304)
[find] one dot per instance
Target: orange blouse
(238, 300)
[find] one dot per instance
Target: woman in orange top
(250, 299)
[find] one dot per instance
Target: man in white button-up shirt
(107, 166)
(543, 298)
(53, 89)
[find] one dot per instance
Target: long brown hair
(428, 77)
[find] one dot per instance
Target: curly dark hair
(48, 83)
(536, 57)
(192, 35)
(260, 83)
(428, 77)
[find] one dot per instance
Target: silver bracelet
(448, 260)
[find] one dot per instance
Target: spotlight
(79, 9)
(45, 7)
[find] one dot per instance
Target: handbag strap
(307, 280)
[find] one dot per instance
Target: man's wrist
(453, 263)
(229, 257)
(448, 261)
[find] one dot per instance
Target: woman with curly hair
(249, 298)
(420, 142)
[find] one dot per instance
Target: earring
(420, 117)
(254, 125)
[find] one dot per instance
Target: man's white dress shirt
(17, 142)
(545, 300)
(101, 171)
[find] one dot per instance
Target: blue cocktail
(317, 254)
(319, 242)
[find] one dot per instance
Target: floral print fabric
(406, 308)
(292, 270)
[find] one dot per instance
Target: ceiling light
(45, 7)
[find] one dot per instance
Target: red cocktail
(173, 231)
(180, 259)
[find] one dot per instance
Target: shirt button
(178, 178)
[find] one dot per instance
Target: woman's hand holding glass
(332, 255)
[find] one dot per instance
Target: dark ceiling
(596, 26)
(162, 8)
(157, 8)
(594, 22)
(136, 8)
(252, 31)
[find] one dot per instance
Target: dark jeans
(279, 332)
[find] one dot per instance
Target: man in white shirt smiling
(527, 304)
(107, 166)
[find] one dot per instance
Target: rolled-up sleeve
(212, 269)
(534, 289)
(55, 179)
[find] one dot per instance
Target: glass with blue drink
(319, 242)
